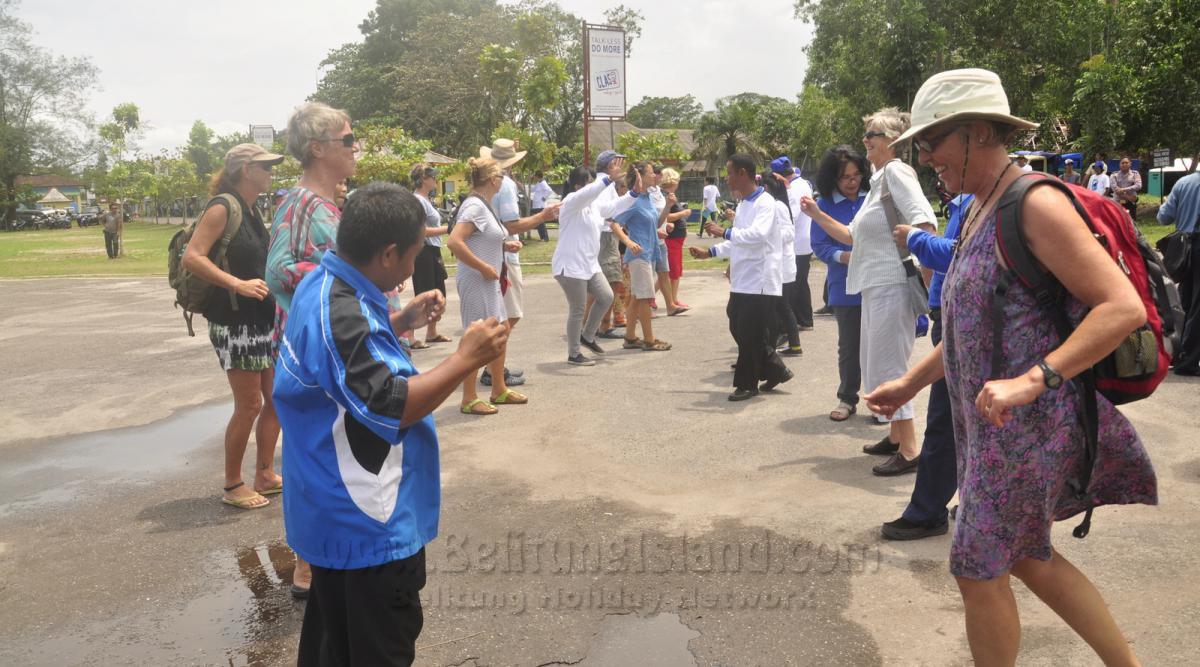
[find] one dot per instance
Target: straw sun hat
(960, 94)
(503, 151)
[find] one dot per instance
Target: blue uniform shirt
(935, 252)
(843, 210)
(1182, 206)
(358, 490)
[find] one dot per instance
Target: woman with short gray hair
(306, 222)
(888, 328)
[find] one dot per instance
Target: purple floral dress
(1013, 480)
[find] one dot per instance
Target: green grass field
(80, 252)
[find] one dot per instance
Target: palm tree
(729, 129)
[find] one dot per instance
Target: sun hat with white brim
(503, 151)
(960, 94)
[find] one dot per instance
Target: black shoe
(591, 345)
(610, 334)
(897, 465)
(771, 384)
(792, 351)
(884, 447)
(580, 360)
(1188, 372)
(743, 394)
(903, 529)
(823, 310)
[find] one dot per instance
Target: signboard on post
(1162, 157)
(606, 72)
(263, 135)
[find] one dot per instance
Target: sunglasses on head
(347, 140)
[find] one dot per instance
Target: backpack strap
(1049, 293)
(233, 224)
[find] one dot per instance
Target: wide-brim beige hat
(503, 151)
(960, 94)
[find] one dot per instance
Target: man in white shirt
(1023, 164)
(755, 276)
(711, 193)
(1099, 181)
(537, 201)
(801, 295)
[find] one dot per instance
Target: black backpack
(191, 291)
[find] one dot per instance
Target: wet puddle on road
(248, 619)
(629, 639)
(58, 471)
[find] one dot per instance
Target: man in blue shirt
(360, 461)
(1183, 208)
(937, 472)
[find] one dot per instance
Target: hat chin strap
(962, 177)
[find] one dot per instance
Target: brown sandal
(655, 345)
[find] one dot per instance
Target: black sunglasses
(873, 134)
(347, 140)
(930, 145)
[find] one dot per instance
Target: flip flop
(479, 407)
(678, 311)
(510, 397)
(278, 488)
(250, 503)
(438, 339)
(418, 345)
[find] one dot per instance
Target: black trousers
(370, 616)
(849, 324)
(1189, 294)
(801, 300)
(750, 317)
(785, 319)
(111, 244)
(937, 469)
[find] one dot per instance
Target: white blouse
(875, 260)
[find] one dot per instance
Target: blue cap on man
(782, 165)
(604, 159)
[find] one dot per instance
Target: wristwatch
(1050, 376)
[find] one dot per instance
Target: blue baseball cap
(782, 165)
(604, 159)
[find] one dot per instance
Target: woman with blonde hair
(241, 316)
(877, 271)
(478, 243)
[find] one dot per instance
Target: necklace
(968, 228)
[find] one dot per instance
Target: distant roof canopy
(54, 197)
(49, 181)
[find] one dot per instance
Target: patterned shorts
(242, 347)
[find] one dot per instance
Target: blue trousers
(937, 472)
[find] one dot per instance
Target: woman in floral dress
(1018, 434)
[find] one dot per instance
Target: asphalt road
(628, 515)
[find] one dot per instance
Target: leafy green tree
(42, 122)
(733, 127)
(388, 153)
(1103, 88)
(655, 146)
(200, 149)
(629, 20)
(665, 112)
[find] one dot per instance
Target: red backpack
(1135, 369)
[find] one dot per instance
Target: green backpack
(192, 292)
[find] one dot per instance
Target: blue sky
(182, 61)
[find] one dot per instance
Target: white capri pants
(888, 334)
